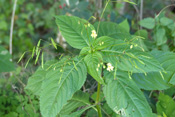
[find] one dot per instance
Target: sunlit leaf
(112, 30)
(148, 23)
(93, 62)
(76, 31)
(79, 99)
(124, 97)
(60, 84)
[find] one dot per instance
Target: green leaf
(167, 59)
(133, 60)
(160, 36)
(125, 25)
(156, 80)
(103, 42)
(93, 62)
(165, 105)
(85, 51)
(76, 31)
(112, 30)
(60, 84)
(35, 81)
(11, 114)
(172, 80)
(124, 97)
(79, 99)
(4, 25)
(142, 33)
(78, 113)
(109, 111)
(153, 80)
(94, 96)
(170, 92)
(171, 27)
(5, 63)
(73, 2)
(148, 23)
(139, 41)
(166, 21)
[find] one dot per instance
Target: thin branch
(151, 94)
(173, 97)
(164, 9)
(11, 28)
(122, 9)
(141, 12)
(135, 7)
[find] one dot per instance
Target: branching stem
(102, 15)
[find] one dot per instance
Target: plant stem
(97, 100)
(141, 12)
(11, 31)
(102, 15)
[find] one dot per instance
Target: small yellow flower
(110, 67)
(88, 25)
(93, 35)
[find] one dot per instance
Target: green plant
(165, 106)
(113, 58)
(13, 104)
(14, 101)
(163, 31)
(5, 60)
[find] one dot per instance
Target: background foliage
(34, 20)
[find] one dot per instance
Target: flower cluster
(110, 67)
(94, 34)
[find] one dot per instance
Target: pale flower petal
(110, 67)
(93, 35)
